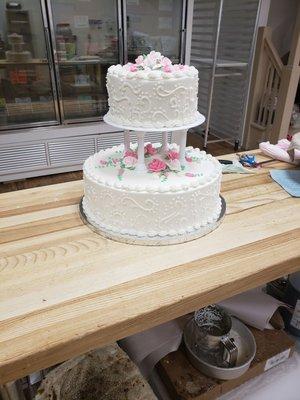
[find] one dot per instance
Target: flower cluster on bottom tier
(166, 199)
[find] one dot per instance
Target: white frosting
(151, 74)
(169, 198)
(151, 204)
(152, 98)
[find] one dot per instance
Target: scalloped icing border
(131, 232)
(138, 124)
(121, 72)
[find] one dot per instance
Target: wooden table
(65, 290)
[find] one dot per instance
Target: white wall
(281, 19)
(264, 12)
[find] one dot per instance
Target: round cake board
(155, 240)
(198, 121)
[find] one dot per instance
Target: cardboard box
(184, 382)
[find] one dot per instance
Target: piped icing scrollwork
(152, 92)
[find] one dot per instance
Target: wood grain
(65, 290)
(41, 198)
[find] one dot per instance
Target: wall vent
(18, 157)
(71, 151)
(114, 139)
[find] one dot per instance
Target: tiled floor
(194, 139)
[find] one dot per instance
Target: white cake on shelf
(152, 193)
(17, 52)
(152, 93)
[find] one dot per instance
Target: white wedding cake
(152, 191)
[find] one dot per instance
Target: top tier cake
(152, 93)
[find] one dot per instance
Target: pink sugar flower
(129, 161)
(103, 162)
(153, 55)
(130, 153)
(167, 68)
(176, 67)
(188, 159)
(139, 60)
(190, 174)
(133, 68)
(157, 165)
(149, 149)
(166, 61)
(173, 155)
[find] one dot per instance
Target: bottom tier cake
(165, 200)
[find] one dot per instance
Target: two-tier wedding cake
(152, 191)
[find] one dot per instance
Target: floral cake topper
(154, 61)
(160, 162)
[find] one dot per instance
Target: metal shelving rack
(221, 63)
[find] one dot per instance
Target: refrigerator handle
(48, 46)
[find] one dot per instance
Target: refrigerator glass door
(85, 34)
(27, 97)
(154, 25)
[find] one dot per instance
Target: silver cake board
(155, 240)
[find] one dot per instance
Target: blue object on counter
(236, 167)
(288, 179)
(248, 159)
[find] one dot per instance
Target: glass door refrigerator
(154, 25)
(54, 55)
(85, 43)
(27, 84)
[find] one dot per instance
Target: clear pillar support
(182, 146)
(140, 167)
(126, 141)
(164, 142)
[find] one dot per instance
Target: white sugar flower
(174, 165)
(139, 60)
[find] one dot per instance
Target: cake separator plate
(155, 240)
(198, 121)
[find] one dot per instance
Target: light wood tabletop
(65, 290)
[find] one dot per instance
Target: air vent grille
(19, 157)
(114, 139)
(72, 151)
